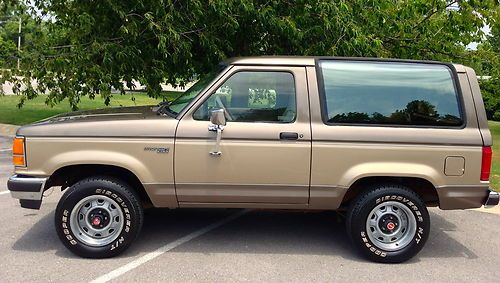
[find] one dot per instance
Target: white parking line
(154, 254)
(4, 192)
(5, 150)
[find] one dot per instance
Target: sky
(473, 45)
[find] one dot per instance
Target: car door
(265, 146)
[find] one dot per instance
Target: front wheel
(98, 217)
(388, 224)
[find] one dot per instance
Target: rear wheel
(389, 223)
(98, 217)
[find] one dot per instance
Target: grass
(495, 167)
(36, 109)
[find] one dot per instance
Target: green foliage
(491, 97)
(495, 166)
(6, 5)
(32, 35)
(487, 63)
(7, 50)
(96, 45)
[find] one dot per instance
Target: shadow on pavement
(277, 232)
(41, 237)
(258, 232)
(440, 244)
(161, 226)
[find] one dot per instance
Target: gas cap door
(454, 166)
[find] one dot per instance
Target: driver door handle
(289, 136)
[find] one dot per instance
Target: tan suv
(380, 139)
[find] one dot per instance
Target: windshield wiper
(164, 109)
(159, 107)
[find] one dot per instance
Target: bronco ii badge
(157, 149)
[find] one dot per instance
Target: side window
(253, 97)
(389, 93)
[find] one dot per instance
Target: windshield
(182, 101)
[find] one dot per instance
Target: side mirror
(218, 118)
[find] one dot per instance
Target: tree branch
(433, 13)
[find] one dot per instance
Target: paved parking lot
(227, 245)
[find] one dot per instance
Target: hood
(137, 121)
(136, 112)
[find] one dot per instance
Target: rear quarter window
(389, 93)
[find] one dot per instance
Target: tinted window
(389, 93)
(254, 97)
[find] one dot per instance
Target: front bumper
(29, 190)
(492, 200)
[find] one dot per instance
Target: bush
(496, 116)
(489, 90)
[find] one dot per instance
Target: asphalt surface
(258, 245)
(5, 161)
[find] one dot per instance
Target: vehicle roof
(310, 60)
(273, 60)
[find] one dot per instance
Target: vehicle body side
(322, 169)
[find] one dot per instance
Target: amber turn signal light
(18, 160)
(18, 154)
(18, 146)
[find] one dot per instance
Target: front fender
(82, 157)
(46, 155)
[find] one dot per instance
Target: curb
(8, 130)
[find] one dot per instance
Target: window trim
(219, 84)
(449, 66)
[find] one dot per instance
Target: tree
(7, 50)
(32, 34)
(5, 5)
(357, 117)
(96, 45)
(485, 60)
(421, 107)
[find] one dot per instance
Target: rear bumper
(29, 190)
(492, 200)
(463, 197)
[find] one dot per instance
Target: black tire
(361, 208)
(105, 187)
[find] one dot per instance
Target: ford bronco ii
(380, 139)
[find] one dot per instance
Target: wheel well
(422, 187)
(69, 175)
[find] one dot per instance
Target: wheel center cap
(96, 221)
(391, 226)
(388, 223)
(99, 218)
